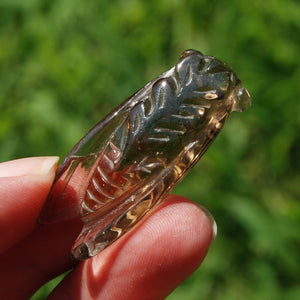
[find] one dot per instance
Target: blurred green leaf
(65, 64)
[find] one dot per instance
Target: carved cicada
(135, 156)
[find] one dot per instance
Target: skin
(149, 262)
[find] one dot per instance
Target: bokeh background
(65, 64)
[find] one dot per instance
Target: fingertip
(44, 165)
(189, 226)
(192, 214)
(152, 259)
(212, 221)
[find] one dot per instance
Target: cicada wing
(63, 201)
(98, 233)
(74, 174)
(73, 177)
(115, 219)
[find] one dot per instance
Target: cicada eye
(242, 100)
(189, 52)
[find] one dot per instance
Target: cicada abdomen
(134, 157)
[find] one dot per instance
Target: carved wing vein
(159, 139)
(183, 117)
(169, 131)
(107, 179)
(100, 190)
(93, 197)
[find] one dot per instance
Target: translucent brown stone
(136, 155)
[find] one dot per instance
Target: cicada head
(208, 90)
(215, 80)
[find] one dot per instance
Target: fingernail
(212, 221)
(31, 165)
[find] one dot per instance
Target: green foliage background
(65, 64)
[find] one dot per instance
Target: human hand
(146, 263)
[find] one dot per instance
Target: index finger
(24, 185)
